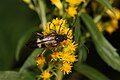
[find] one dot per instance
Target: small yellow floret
(40, 60)
(112, 26)
(68, 57)
(71, 11)
(109, 29)
(46, 75)
(55, 56)
(66, 68)
(112, 15)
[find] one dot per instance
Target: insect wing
(48, 41)
(32, 44)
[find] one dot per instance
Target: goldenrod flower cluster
(72, 6)
(63, 54)
(112, 24)
(45, 75)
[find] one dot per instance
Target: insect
(51, 40)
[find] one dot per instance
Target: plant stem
(59, 73)
(40, 9)
(42, 13)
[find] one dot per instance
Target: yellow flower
(58, 26)
(71, 11)
(114, 23)
(64, 52)
(112, 15)
(57, 3)
(58, 22)
(46, 75)
(74, 2)
(110, 29)
(112, 26)
(55, 56)
(72, 58)
(40, 60)
(69, 46)
(66, 68)
(68, 57)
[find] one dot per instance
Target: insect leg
(38, 34)
(43, 51)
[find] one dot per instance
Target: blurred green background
(16, 19)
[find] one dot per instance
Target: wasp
(50, 40)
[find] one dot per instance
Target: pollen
(46, 75)
(66, 68)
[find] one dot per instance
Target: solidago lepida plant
(59, 41)
(67, 26)
(63, 38)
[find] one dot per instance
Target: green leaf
(12, 75)
(106, 3)
(89, 72)
(23, 41)
(106, 51)
(82, 55)
(77, 30)
(30, 61)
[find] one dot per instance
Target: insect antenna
(43, 51)
(38, 35)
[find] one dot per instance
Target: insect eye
(56, 38)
